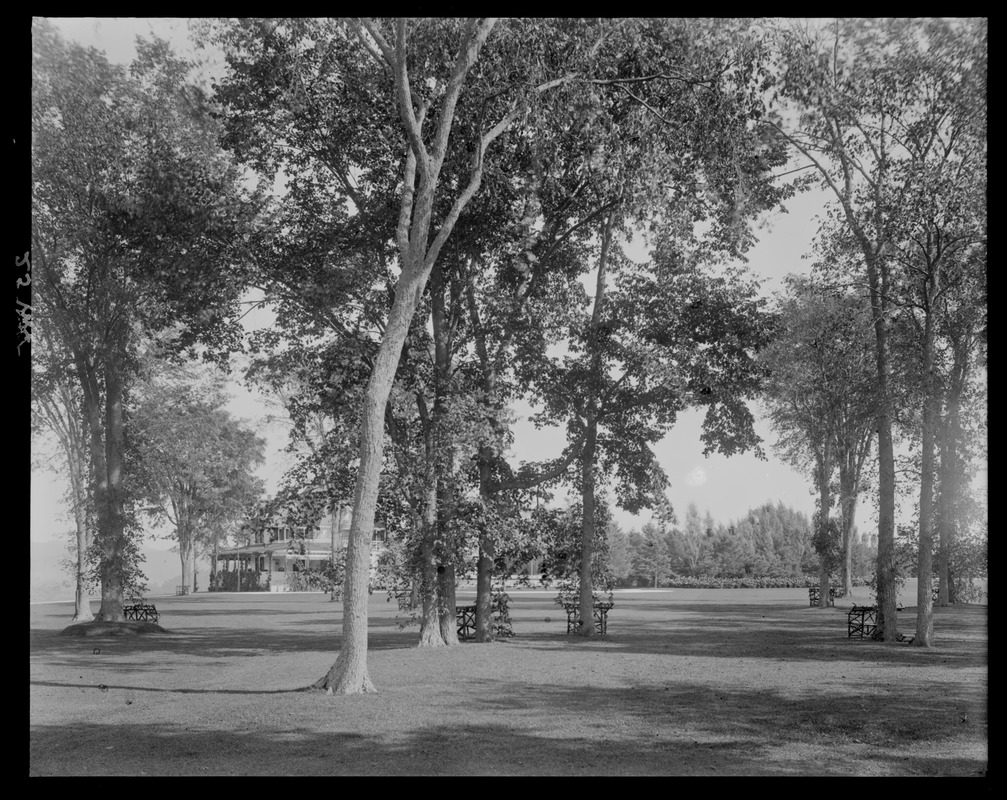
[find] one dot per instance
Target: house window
(380, 535)
(258, 537)
(301, 532)
(262, 563)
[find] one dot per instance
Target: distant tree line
(769, 542)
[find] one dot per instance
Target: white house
(274, 552)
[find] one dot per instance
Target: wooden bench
(862, 622)
(814, 594)
(180, 590)
(466, 617)
(141, 612)
(600, 616)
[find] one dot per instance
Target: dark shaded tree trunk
(886, 583)
(824, 504)
(446, 603)
(442, 456)
(589, 452)
(924, 598)
(586, 600)
(111, 537)
(430, 549)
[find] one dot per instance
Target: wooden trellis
(814, 594)
(141, 612)
(600, 616)
(466, 617)
(862, 622)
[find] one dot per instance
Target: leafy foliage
(136, 222)
(771, 543)
(194, 461)
(828, 543)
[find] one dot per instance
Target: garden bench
(180, 590)
(466, 617)
(141, 612)
(814, 594)
(861, 621)
(600, 616)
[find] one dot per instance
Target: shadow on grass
(913, 712)
(808, 634)
(727, 743)
(708, 630)
(50, 647)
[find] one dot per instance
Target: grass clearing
(687, 682)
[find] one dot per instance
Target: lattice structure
(814, 594)
(466, 618)
(862, 622)
(140, 612)
(600, 616)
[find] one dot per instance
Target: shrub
(746, 582)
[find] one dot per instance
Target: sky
(726, 487)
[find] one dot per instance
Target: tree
(960, 427)
(821, 402)
(620, 561)
(653, 559)
(693, 541)
(56, 407)
(648, 346)
(419, 246)
(306, 97)
(866, 112)
(133, 210)
(941, 249)
(423, 96)
(195, 462)
(561, 539)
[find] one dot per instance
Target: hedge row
(752, 582)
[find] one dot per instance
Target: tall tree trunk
(854, 452)
(111, 541)
(924, 583)
(886, 567)
(950, 469)
(446, 574)
(591, 440)
(78, 490)
(430, 545)
(349, 675)
(487, 555)
(185, 550)
(586, 600)
(446, 603)
(442, 455)
(849, 511)
(82, 601)
(487, 456)
(824, 504)
(430, 620)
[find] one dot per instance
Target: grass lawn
(687, 682)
